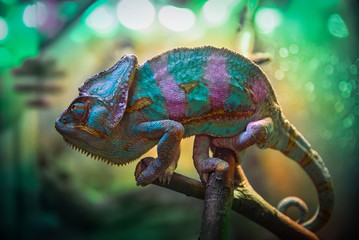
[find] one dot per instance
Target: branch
(218, 198)
(248, 203)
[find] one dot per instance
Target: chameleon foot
(145, 173)
(210, 165)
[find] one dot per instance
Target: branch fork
(220, 197)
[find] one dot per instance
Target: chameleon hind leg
(257, 132)
(205, 164)
(202, 162)
(169, 134)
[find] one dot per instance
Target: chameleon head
(97, 111)
(83, 124)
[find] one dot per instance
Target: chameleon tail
(287, 202)
(296, 147)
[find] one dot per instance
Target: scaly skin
(216, 94)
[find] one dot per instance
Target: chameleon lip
(90, 131)
(58, 127)
(67, 129)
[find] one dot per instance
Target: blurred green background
(48, 48)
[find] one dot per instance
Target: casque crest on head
(112, 86)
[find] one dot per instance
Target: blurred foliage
(50, 190)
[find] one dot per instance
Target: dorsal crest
(112, 86)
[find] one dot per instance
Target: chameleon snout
(61, 122)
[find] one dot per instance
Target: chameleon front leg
(169, 134)
(257, 132)
(166, 176)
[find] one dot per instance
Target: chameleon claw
(162, 179)
(138, 170)
(169, 179)
(204, 178)
(165, 178)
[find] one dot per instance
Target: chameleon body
(218, 95)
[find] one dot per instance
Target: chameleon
(215, 94)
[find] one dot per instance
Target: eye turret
(78, 110)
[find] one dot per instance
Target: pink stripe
(171, 91)
(218, 81)
(259, 90)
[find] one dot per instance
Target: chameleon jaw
(94, 156)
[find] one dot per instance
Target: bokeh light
(267, 19)
(215, 11)
(176, 19)
(102, 20)
(293, 48)
(283, 52)
(337, 27)
(136, 14)
(35, 15)
(3, 29)
(80, 34)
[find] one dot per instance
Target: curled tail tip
(292, 201)
(296, 147)
(320, 218)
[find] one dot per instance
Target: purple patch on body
(217, 80)
(174, 95)
(259, 91)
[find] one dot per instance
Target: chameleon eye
(78, 105)
(78, 110)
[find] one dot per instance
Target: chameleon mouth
(94, 156)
